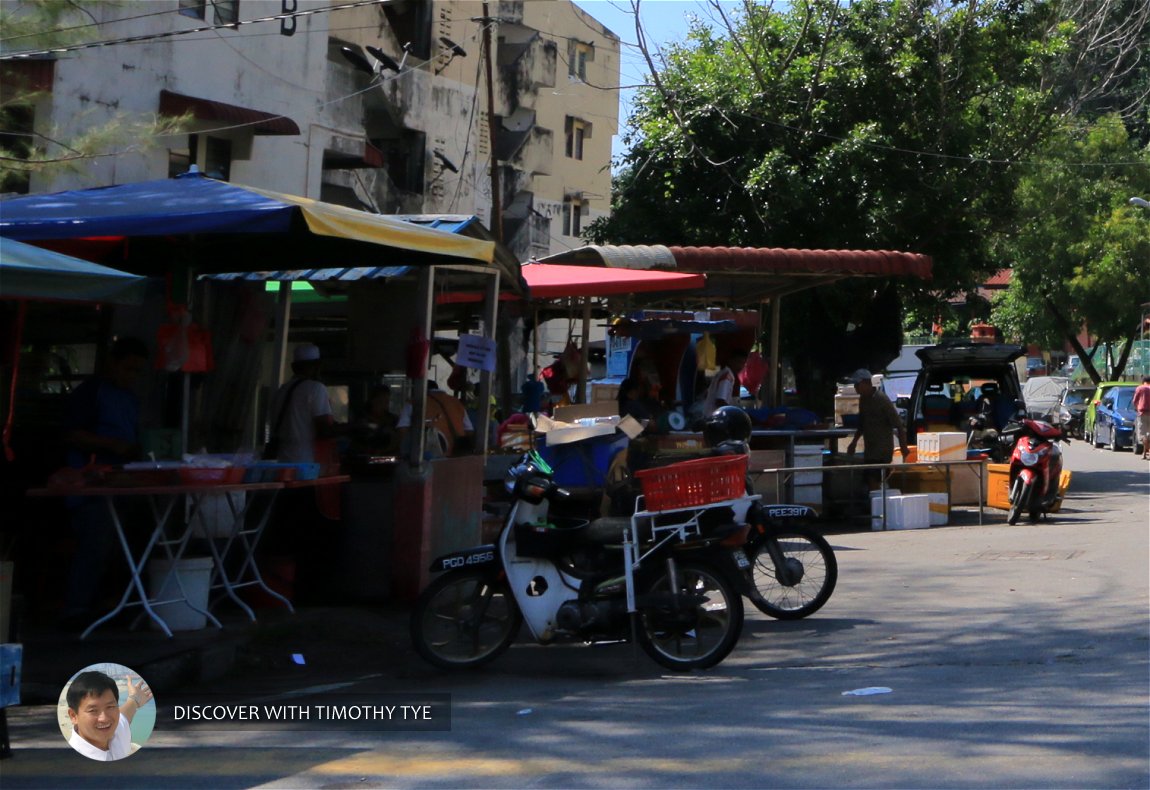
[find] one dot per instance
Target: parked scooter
(1035, 468)
(664, 579)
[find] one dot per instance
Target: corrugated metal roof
(317, 275)
(754, 274)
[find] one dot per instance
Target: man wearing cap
(878, 422)
(301, 414)
(300, 410)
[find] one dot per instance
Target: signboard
(476, 351)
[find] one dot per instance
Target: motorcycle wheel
(1020, 503)
(808, 556)
(463, 619)
(700, 635)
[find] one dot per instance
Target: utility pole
(492, 128)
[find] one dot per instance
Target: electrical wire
(173, 33)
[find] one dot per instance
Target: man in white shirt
(101, 727)
(300, 410)
(724, 389)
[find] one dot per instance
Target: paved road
(1014, 657)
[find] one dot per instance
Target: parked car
(933, 403)
(1092, 408)
(1115, 416)
(1035, 366)
(1072, 409)
(1042, 394)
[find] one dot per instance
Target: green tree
(1081, 255)
(869, 125)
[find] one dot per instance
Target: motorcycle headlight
(1029, 459)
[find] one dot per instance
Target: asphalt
(323, 637)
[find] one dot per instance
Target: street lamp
(1137, 201)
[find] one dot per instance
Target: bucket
(195, 576)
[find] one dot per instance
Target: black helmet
(727, 423)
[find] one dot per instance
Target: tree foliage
(1081, 254)
(868, 125)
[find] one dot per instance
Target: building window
(216, 156)
(576, 131)
(579, 54)
(227, 11)
(572, 216)
(193, 8)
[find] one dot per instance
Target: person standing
(305, 525)
(724, 389)
(878, 423)
(1141, 403)
(300, 409)
(102, 428)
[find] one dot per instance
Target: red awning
(750, 275)
(550, 281)
(226, 114)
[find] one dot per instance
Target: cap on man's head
(862, 374)
(305, 352)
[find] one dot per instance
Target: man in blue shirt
(102, 428)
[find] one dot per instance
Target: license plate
(740, 558)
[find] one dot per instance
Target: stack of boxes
(903, 511)
(809, 485)
(965, 482)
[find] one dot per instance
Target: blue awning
(28, 272)
(220, 226)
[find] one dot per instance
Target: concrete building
(382, 105)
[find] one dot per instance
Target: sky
(662, 21)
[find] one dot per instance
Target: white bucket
(195, 575)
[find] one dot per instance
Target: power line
(174, 33)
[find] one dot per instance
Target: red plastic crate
(694, 483)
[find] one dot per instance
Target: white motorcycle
(663, 577)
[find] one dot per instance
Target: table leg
(134, 569)
(219, 557)
(181, 547)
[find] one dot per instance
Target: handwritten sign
(476, 351)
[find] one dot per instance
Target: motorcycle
(664, 579)
(1031, 448)
(1035, 468)
(793, 568)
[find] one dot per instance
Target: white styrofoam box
(876, 498)
(939, 509)
(808, 455)
(808, 495)
(910, 511)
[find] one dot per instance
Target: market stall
(192, 225)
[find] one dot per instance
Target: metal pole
(774, 394)
(492, 131)
(581, 390)
(483, 410)
(419, 385)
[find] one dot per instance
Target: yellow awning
(327, 219)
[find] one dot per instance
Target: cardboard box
(767, 485)
(946, 446)
(589, 427)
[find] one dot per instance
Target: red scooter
(1035, 466)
